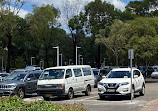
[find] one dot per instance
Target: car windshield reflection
(53, 74)
(17, 76)
(119, 74)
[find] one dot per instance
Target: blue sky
(27, 8)
(57, 3)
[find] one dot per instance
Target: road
(93, 103)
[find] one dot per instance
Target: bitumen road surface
(117, 103)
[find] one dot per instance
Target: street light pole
(31, 60)
(82, 60)
(61, 59)
(70, 61)
(76, 53)
(57, 55)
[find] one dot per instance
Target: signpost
(131, 56)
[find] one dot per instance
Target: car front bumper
(7, 92)
(51, 92)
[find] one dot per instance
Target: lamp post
(76, 53)
(61, 59)
(82, 60)
(70, 61)
(57, 47)
(31, 60)
(79, 59)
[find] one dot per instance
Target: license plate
(110, 90)
(47, 95)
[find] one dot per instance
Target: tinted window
(69, 72)
(31, 76)
(77, 72)
(119, 74)
(86, 71)
(17, 76)
(37, 75)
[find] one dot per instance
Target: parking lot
(93, 103)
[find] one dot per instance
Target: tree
(8, 23)
(99, 15)
(41, 23)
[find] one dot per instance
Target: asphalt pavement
(148, 102)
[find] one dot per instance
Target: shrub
(16, 104)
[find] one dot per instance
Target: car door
(70, 81)
(31, 82)
(79, 82)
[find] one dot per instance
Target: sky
(27, 8)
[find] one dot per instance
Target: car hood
(11, 82)
(115, 80)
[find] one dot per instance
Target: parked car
(19, 83)
(149, 71)
(65, 81)
(3, 75)
(32, 68)
(118, 82)
(18, 70)
(154, 74)
(96, 74)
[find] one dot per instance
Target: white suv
(118, 82)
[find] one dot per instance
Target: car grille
(112, 85)
(47, 86)
(4, 86)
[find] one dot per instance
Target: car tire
(142, 92)
(70, 94)
(46, 98)
(21, 93)
(101, 97)
(88, 90)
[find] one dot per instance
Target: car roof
(70, 66)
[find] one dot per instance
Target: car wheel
(101, 97)
(21, 93)
(142, 92)
(88, 90)
(46, 98)
(70, 94)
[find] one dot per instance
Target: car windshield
(53, 74)
(95, 72)
(119, 74)
(17, 76)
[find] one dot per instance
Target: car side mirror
(28, 79)
(67, 76)
(135, 76)
(103, 77)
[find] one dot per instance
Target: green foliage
(17, 104)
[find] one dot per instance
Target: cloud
(58, 3)
(22, 13)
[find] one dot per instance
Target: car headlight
(100, 83)
(12, 86)
(124, 83)
(60, 86)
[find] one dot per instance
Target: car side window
(69, 72)
(86, 71)
(37, 75)
(31, 76)
(77, 72)
(136, 72)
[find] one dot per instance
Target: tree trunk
(116, 58)
(47, 63)
(74, 51)
(98, 58)
(9, 52)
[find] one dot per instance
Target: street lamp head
(32, 57)
(78, 47)
(56, 47)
